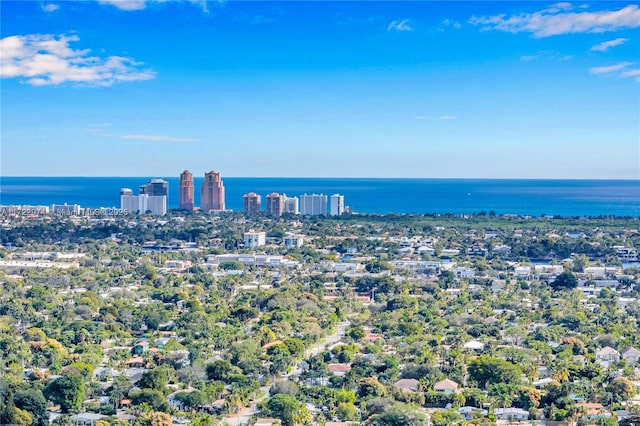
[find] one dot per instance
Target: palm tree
(115, 397)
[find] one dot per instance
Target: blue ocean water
(364, 195)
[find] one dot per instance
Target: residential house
(338, 369)
(607, 356)
(631, 355)
(474, 345)
(407, 385)
(136, 362)
(446, 386)
(522, 271)
(469, 413)
(511, 414)
(140, 347)
(502, 250)
(464, 272)
(162, 342)
(86, 419)
(592, 410)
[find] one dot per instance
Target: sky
(420, 89)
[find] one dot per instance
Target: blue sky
(338, 89)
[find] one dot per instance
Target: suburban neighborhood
(211, 319)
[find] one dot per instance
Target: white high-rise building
(254, 239)
(156, 204)
(336, 205)
(143, 203)
(291, 204)
(313, 205)
(128, 202)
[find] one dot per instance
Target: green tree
(398, 415)
(67, 391)
(378, 266)
(445, 418)
(22, 417)
(565, 281)
(33, 401)
(155, 379)
(7, 407)
(191, 400)
(231, 265)
(346, 411)
(155, 399)
(356, 332)
(622, 389)
(370, 387)
(295, 346)
(219, 370)
(487, 370)
(288, 409)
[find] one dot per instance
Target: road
(263, 393)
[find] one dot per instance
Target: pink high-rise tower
(186, 191)
(212, 193)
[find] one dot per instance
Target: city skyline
(307, 89)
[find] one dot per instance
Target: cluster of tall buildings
(309, 205)
(151, 198)
(211, 192)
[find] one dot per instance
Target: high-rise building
(252, 203)
(143, 203)
(155, 188)
(154, 196)
(128, 202)
(212, 193)
(155, 204)
(275, 204)
(186, 191)
(336, 205)
(313, 205)
(291, 204)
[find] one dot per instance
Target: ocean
(363, 195)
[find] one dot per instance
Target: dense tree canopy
(67, 391)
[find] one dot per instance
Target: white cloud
(605, 45)
(448, 117)
(451, 23)
(610, 68)
(529, 58)
(126, 4)
(557, 20)
(141, 4)
(44, 60)
(400, 25)
(152, 138)
(631, 73)
(50, 7)
(546, 54)
(558, 7)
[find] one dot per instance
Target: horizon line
(177, 176)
